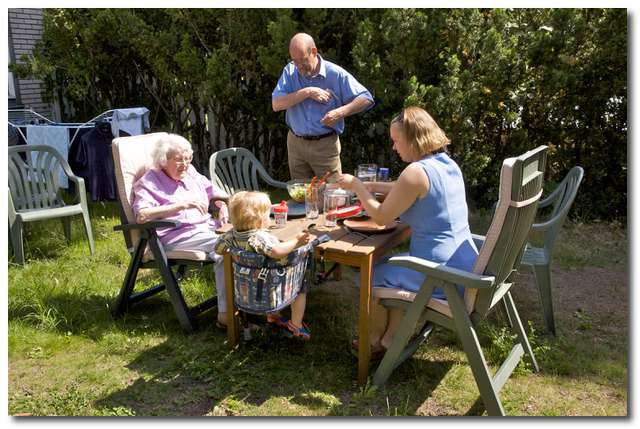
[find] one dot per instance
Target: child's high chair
(264, 285)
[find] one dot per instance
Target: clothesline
(64, 137)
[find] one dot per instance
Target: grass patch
(68, 356)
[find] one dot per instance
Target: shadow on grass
(197, 374)
(261, 378)
(90, 315)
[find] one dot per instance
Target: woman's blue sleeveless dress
(439, 228)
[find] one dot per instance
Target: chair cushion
(131, 159)
(192, 255)
(439, 305)
(491, 239)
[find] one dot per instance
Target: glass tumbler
(332, 201)
(311, 203)
(367, 172)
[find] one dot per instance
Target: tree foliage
(498, 81)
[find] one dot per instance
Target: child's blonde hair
(247, 209)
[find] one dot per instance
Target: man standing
(317, 96)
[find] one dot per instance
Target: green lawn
(68, 356)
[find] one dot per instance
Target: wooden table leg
(232, 314)
(364, 352)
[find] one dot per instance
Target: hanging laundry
(133, 120)
(52, 136)
(94, 161)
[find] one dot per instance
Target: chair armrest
(82, 191)
(550, 199)
(541, 227)
(67, 169)
(273, 182)
(478, 240)
(75, 179)
(442, 272)
(557, 218)
(153, 224)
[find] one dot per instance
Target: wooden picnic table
(345, 247)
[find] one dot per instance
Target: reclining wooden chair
(132, 158)
(521, 181)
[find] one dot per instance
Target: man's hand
(318, 94)
(331, 117)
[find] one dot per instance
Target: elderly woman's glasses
(182, 160)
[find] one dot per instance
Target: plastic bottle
(280, 214)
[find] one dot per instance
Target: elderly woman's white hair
(168, 146)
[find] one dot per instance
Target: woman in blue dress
(429, 195)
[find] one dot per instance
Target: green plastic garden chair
(521, 181)
(546, 232)
(236, 169)
(35, 193)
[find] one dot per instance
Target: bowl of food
(297, 189)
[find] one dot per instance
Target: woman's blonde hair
(247, 209)
(168, 146)
(422, 132)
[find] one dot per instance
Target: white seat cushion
(132, 158)
(193, 255)
(439, 305)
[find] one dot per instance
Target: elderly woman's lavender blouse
(155, 189)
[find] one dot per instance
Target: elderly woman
(429, 195)
(174, 190)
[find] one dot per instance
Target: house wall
(25, 28)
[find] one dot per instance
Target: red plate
(346, 211)
(366, 224)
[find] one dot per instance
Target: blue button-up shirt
(304, 118)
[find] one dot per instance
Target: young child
(249, 215)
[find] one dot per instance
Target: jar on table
(280, 214)
(334, 199)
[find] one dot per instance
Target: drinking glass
(311, 203)
(332, 201)
(367, 172)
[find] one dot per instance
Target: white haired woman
(174, 190)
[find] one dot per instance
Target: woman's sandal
(377, 350)
(303, 332)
